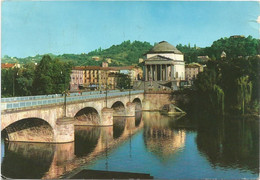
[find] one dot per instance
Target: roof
(158, 57)
(164, 47)
(203, 58)
(7, 65)
(193, 65)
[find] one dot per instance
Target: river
(148, 143)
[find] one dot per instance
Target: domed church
(164, 63)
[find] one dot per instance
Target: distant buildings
(191, 72)
(96, 58)
(9, 65)
(97, 77)
(203, 59)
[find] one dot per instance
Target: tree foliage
(45, 78)
(229, 85)
(51, 76)
(123, 81)
(190, 53)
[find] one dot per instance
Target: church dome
(164, 47)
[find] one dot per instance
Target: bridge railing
(23, 104)
(27, 98)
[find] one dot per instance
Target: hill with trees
(126, 53)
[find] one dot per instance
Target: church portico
(163, 64)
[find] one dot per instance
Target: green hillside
(126, 53)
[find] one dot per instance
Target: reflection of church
(159, 138)
(164, 66)
(164, 142)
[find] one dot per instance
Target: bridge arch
(119, 108)
(87, 116)
(29, 130)
(138, 104)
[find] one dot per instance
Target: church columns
(166, 72)
(160, 72)
(153, 69)
(151, 72)
(156, 74)
(146, 73)
(172, 72)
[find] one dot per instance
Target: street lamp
(129, 86)
(65, 94)
(106, 87)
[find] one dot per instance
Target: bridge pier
(130, 109)
(64, 130)
(145, 105)
(106, 117)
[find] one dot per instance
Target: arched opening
(87, 116)
(119, 109)
(29, 130)
(138, 104)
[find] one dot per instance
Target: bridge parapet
(58, 100)
(27, 98)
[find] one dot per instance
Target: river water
(159, 145)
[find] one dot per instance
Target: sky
(30, 27)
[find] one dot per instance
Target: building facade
(76, 79)
(164, 63)
(96, 77)
(191, 72)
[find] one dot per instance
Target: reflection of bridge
(59, 159)
(46, 122)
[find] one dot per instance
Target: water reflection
(86, 139)
(27, 160)
(160, 137)
(230, 144)
(48, 161)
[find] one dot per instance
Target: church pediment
(159, 58)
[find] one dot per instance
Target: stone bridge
(55, 122)
(63, 158)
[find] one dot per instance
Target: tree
(25, 80)
(244, 92)
(51, 76)
(123, 81)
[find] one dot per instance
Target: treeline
(126, 53)
(50, 76)
(234, 46)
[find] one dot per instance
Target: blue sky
(30, 28)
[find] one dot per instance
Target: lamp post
(129, 87)
(65, 95)
(106, 87)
